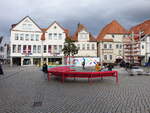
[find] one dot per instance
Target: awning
(119, 57)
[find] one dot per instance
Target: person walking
(110, 67)
(1, 69)
(45, 70)
(83, 64)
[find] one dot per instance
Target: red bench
(66, 72)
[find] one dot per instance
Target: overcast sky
(94, 14)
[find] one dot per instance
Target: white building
(30, 44)
(85, 42)
(110, 41)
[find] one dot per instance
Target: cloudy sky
(94, 14)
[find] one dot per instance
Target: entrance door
(16, 61)
(26, 62)
(37, 61)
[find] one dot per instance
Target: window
(24, 48)
(60, 48)
(105, 57)
(117, 46)
(110, 57)
(142, 46)
(50, 36)
(19, 48)
(29, 48)
(45, 48)
(60, 36)
(14, 48)
(88, 46)
(21, 37)
(105, 46)
(32, 37)
(1, 49)
(113, 36)
(37, 37)
(55, 27)
(110, 46)
(83, 46)
(120, 46)
(27, 37)
(49, 49)
(93, 46)
(39, 49)
(55, 35)
(55, 48)
(16, 36)
(34, 48)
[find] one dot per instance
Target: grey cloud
(94, 14)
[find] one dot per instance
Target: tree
(69, 48)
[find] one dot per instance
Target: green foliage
(70, 48)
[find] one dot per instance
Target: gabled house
(53, 39)
(31, 45)
(110, 38)
(25, 42)
(85, 41)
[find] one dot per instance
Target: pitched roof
(81, 27)
(66, 31)
(14, 25)
(112, 28)
(144, 26)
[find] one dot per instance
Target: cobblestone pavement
(24, 90)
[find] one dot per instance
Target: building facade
(85, 42)
(110, 41)
(142, 31)
(31, 45)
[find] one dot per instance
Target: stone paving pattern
(20, 87)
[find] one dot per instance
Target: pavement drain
(37, 104)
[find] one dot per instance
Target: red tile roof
(145, 26)
(81, 27)
(112, 28)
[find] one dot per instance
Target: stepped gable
(112, 28)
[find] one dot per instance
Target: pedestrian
(83, 64)
(97, 67)
(45, 70)
(1, 69)
(110, 67)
